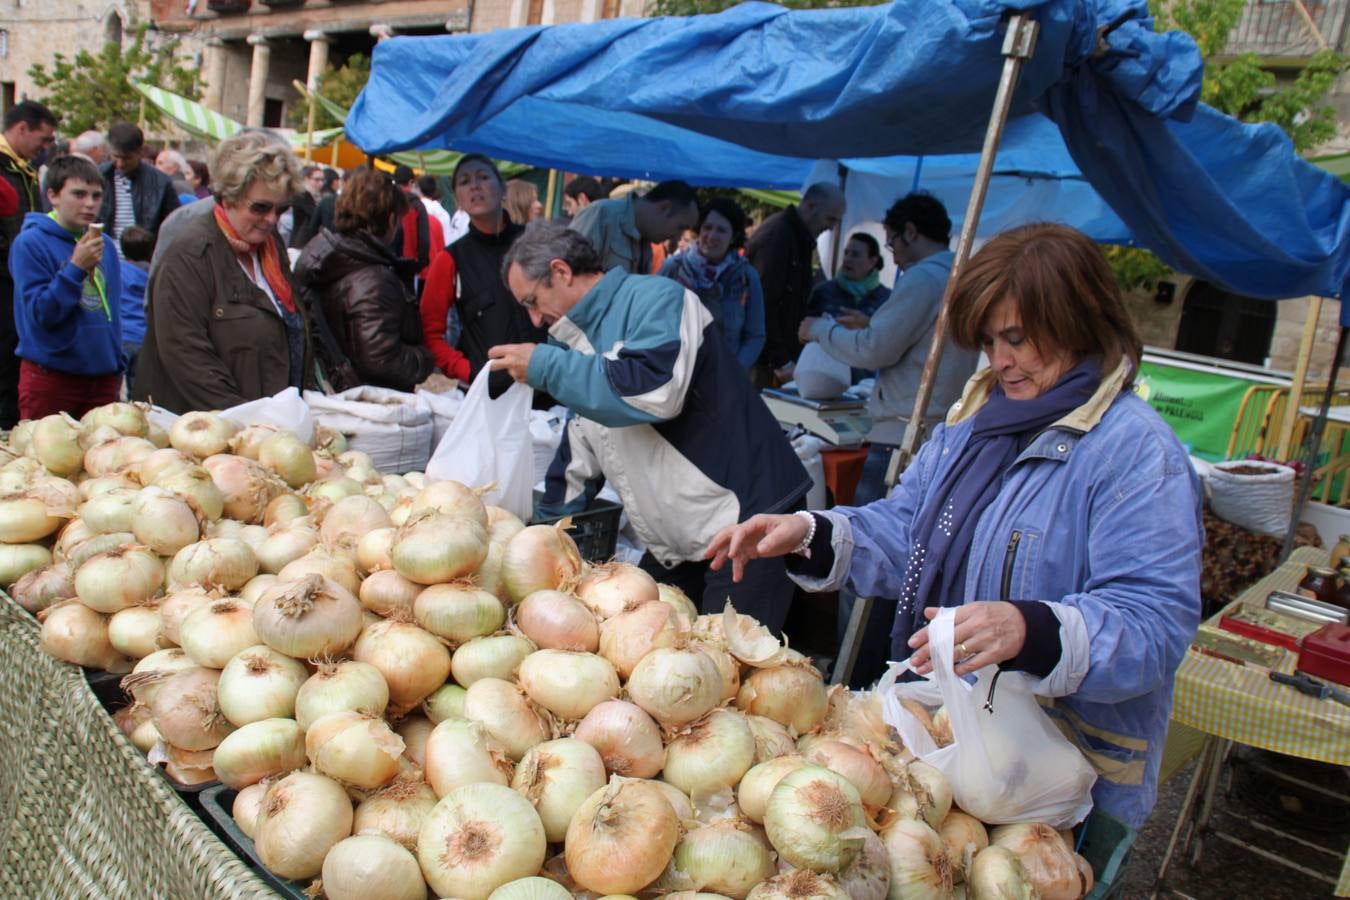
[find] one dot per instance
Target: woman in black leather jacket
(373, 319)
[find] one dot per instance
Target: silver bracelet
(804, 548)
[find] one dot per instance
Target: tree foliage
(94, 89)
(339, 85)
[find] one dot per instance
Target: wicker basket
(81, 813)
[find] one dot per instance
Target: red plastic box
(1326, 653)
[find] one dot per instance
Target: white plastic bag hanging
(1007, 762)
(286, 410)
(489, 441)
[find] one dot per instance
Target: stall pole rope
(1313, 446)
(1305, 348)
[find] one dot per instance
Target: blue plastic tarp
(755, 95)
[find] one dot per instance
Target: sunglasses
(262, 207)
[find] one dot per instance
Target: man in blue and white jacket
(663, 412)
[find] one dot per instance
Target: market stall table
(1231, 703)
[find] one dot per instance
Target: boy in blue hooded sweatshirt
(67, 292)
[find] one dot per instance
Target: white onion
(262, 749)
(246, 487)
(921, 792)
(621, 837)
(303, 815)
(611, 588)
(110, 511)
(685, 610)
(557, 621)
(539, 558)
(194, 483)
(452, 499)
(675, 686)
(147, 674)
(201, 434)
(285, 543)
(350, 519)
(998, 874)
(628, 739)
(134, 631)
(331, 489)
(386, 592)
(727, 857)
(42, 587)
(963, 835)
(247, 805)
(259, 683)
(289, 457)
(25, 518)
(213, 633)
(478, 838)
(460, 752)
(374, 549)
(1048, 862)
(148, 469)
(628, 636)
(918, 860)
(249, 439)
(370, 865)
(122, 417)
(714, 753)
(186, 711)
(868, 876)
(752, 794)
(76, 634)
(433, 548)
(256, 586)
(489, 573)
(446, 702)
(56, 444)
(414, 730)
(116, 456)
(412, 661)
(177, 606)
(217, 562)
(496, 656)
(308, 618)
(90, 488)
(556, 777)
(458, 612)
(396, 811)
(120, 578)
(284, 508)
(320, 561)
(164, 522)
(346, 685)
(859, 766)
(814, 818)
(568, 684)
(502, 524)
(771, 739)
(534, 887)
(503, 709)
(792, 695)
(727, 667)
(799, 884)
(354, 749)
(17, 560)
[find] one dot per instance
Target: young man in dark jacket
(134, 193)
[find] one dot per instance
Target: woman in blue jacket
(1053, 506)
(724, 280)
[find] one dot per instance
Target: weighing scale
(842, 421)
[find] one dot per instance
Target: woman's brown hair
(1067, 295)
(369, 200)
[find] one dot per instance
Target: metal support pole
(1018, 45)
(848, 651)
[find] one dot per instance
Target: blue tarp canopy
(757, 94)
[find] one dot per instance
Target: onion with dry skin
(628, 636)
(413, 662)
(918, 861)
(303, 815)
(386, 593)
(341, 686)
(371, 865)
(289, 457)
(568, 684)
(793, 695)
(259, 683)
(164, 522)
(611, 588)
(557, 621)
(308, 618)
(17, 560)
(921, 792)
(76, 634)
(460, 752)
(56, 444)
(195, 483)
(495, 656)
(629, 740)
(557, 777)
(715, 752)
(478, 838)
(321, 561)
(124, 418)
(186, 711)
(354, 749)
(226, 563)
(213, 633)
(120, 578)
(284, 508)
(25, 518)
(814, 819)
(621, 837)
(42, 587)
(858, 765)
(201, 434)
(286, 542)
(539, 558)
(963, 835)
(1048, 862)
(134, 631)
(728, 857)
(375, 548)
(349, 520)
(177, 606)
(249, 439)
(799, 884)
(997, 874)
(262, 749)
(396, 811)
(676, 686)
(458, 612)
(754, 789)
(434, 548)
(246, 488)
(507, 714)
(452, 499)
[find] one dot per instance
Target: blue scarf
(858, 289)
(945, 525)
(699, 275)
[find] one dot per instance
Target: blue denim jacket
(1099, 517)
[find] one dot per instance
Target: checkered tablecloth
(1242, 704)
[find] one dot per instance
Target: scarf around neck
(944, 526)
(699, 275)
(858, 289)
(267, 254)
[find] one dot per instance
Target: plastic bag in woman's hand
(1007, 761)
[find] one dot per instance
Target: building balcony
(1277, 30)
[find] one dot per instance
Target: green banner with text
(1201, 407)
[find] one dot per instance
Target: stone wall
(40, 29)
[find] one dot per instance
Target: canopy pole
(1313, 446)
(548, 193)
(1018, 44)
(1300, 378)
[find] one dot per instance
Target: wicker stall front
(81, 813)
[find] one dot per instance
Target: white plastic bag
(286, 410)
(1257, 502)
(489, 441)
(389, 426)
(820, 376)
(1008, 762)
(443, 409)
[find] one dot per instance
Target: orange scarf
(267, 252)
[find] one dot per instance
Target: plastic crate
(217, 805)
(1105, 843)
(596, 530)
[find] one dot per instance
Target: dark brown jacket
(781, 251)
(374, 320)
(213, 339)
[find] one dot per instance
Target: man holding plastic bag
(663, 411)
(1059, 515)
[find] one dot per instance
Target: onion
(460, 752)
(489, 574)
(793, 695)
(371, 865)
(160, 462)
(446, 702)
(374, 549)
(320, 561)
(259, 683)
(997, 874)
(124, 418)
(337, 687)
(557, 777)
(255, 587)
(216, 562)
(815, 819)
(289, 457)
(728, 857)
(76, 634)
(56, 444)
(452, 499)
(922, 792)
(385, 592)
(25, 518)
(628, 740)
(110, 511)
(249, 439)
(535, 887)
(213, 633)
(247, 805)
(458, 612)
(434, 548)
(349, 458)
(568, 684)
(354, 749)
(412, 661)
(714, 753)
(479, 837)
(284, 508)
(502, 524)
(308, 618)
(184, 767)
(628, 636)
(1048, 862)
(685, 610)
(42, 587)
(90, 488)
(538, 558)
(611, 588)
(332, 489)
(350, 519)
(164, 522)
(144, 681)
(396, 811)
(124, 577)
(496, 656)
(17, 560)
(506, 713)
(117, 455)
(752, 794)
(134, 631)
(727, 667)
(246, 487)
(868, 876)
(963, 836)
(859, 766)
(771, 739)
(303, 815)
(17, 474)
(621, 837)
(558, 621)
(201, 434)
(675, 686)
(194, 483)
(262, 749)
(186, 711)
(177, 606)
(287, 542)
(918, 860)
(799, 884)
